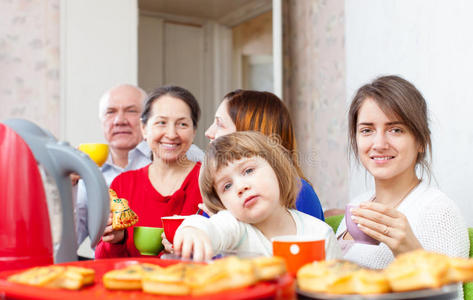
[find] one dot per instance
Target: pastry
(222, 274)
(362, 281)
(128, 278)
(122, 215)
(195, 279)
(268, 268)
(413, 270)
(76, 277)
(167, 281)
(39, 276)
(67, 277)
(341, 277)
(417, 270)
(460, 269)
(423, 269)
(318, 276)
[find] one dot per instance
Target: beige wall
(29, 62)
(314, 89)
(314, 80)
(253, 37)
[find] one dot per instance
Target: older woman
(167, 186)
(243, 110)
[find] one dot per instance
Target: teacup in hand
(148, 240)
(353, 229)
(96, 151)
(298, 250)
(170, 225)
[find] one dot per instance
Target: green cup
(148, 240)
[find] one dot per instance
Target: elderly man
(119, 112)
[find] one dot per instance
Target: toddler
(251, 185)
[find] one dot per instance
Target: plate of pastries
(417, 274)
(152, 278)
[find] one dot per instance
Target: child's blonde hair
(238, 145)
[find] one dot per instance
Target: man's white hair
(106, 96)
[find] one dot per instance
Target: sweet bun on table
(362, 281)
(461, 269)
(167, 281)
(417, 270)
(222, 274)
(423, 269)
(76, 277)
(66, 277)
(198, 279)
(318, 276)
(38, 276)
(409, 271)
(269, 267)
(129, 278)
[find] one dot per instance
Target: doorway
(208, 47)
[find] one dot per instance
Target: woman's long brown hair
(266, 113)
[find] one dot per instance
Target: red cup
(170, 225)
(298, 250)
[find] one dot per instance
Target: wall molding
(180, 19)
(245, 12)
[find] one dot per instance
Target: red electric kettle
(28, 236)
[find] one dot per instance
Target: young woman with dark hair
(389, 134)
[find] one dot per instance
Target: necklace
(403, 197)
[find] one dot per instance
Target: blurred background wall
(314, 89)
(58, 56)
(29, 62)
(429, 43)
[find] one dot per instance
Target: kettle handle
(73, 160)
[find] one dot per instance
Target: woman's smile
(382, 160)
(170, 146)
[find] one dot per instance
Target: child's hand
(167, 245)
(190, 240)
(110, 235)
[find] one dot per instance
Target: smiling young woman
(390, 136)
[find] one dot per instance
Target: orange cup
(298, 250)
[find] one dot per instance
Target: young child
(251, 185)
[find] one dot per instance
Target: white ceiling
(209, 9)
